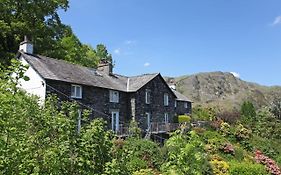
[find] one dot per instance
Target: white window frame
(113, 96)
(176, 103)
(147, 96)
(166, 118)
(185, 105)
(76, 94)
(166, 99)
(148, 119)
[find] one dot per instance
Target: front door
(115, 120)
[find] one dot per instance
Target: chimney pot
(26, 46)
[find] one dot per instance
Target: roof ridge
(144, 75)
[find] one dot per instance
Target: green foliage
(248, 112)
(142, 154)
(242, 133)
(185, 156)
(38, 19)
(219, 166)
(95, 145)
(267, 125)
(144, 172)
(134, 130)
(225, 129)
(200, 113)
(275, 107)
(102, 53)
(184, 119)
(246, 168)
(269, 147)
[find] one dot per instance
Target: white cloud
(117, 51)
(235, 74)
(277, 21)
(146, 64)
(130, 42)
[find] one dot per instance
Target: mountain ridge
(223, 89)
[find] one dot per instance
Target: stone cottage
(116, 98)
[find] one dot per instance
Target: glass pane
(72, 91)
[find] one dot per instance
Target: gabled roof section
(137, 82)
(61, 70)
(181, 97)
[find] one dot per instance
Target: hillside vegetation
(45, 140)
(224, 90)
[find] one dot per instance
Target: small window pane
(166, 100)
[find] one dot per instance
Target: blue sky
(184, 36)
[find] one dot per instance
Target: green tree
(102, 53)
(248, 112)
(37, 19)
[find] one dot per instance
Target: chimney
(172, 85)
(105, 66)
(26, 46)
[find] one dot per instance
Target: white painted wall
(36, 85)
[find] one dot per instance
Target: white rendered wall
(36, 84)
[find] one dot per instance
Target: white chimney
(26, 46)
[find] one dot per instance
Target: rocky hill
(223, 89)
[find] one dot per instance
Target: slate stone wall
(180, 109)
(129, 103)
(96, 98)
(156, 108)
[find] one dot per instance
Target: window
(166, 118)
(175, 103)
(114, 96)
(76, 91)
(166, 99)
(185, 105)
(147, 96)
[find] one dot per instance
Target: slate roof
(53, 69)
(181, 97)
(60, 70)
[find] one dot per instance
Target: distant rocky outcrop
(223, 89)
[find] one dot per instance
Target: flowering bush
(242, 133)
(228, 148)
(225, 129)
(270, 164)
(216, 124)
(219, 166)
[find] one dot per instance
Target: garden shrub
(239, 153)
(219, 166)
(242, 133)
(270, 164)
(230, 117)
(184, 119)
(269, 147)
(185, 155)
(246, 168)
(225, 129)
(145, 172)
(141, 154)
(228, 148)
(201, 113)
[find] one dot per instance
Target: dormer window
(166, 99)
(147, 96)
(76, 91)
(114, 96)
